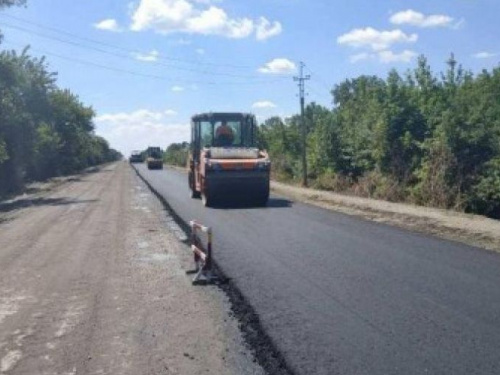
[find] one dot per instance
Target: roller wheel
(195, 194)
(206, 199)
(262, 199)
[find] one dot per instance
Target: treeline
(422, 138)
(177, 154)
(45, 131)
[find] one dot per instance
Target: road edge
(430, 221)
(260, 343)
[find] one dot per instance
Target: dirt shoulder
(474, 230)
(35, 190)
(93, 282)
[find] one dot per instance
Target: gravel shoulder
(93, 282)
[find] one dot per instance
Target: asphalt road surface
(340, 295)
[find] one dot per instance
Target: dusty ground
(92, 282)
(471, 229)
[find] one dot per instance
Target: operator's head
(224, 134)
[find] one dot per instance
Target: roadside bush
(329, 180)
(486, 193)
(376, 185)
(438, 185)
(177, 154)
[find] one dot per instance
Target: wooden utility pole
(301, 79)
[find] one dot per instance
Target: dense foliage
(177, 154)
(45, 131)
(421, 138)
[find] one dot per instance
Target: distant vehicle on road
(154, 159)
(136, 157)
(225, 161)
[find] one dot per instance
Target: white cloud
(215, 21)
(266, 29)
(200, 51)
(484, 55)
(207, 1)
(411, 17)
(127, 131)
(139, 115)
(170, 112)
(385, 57)
(182, 42)
(186, 16)
(375, 39)
(391, 57)
(278, 66)
(360, 57)
(263, 104)
(177, 88)
(148, 57)
(109, 24)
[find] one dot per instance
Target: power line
(79, 45)
(53, 29)
(139, 74)
(318, 93)
(322, 81)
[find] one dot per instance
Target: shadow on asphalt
(22, 203)
(238, 204)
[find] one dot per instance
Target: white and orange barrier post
(202, 255)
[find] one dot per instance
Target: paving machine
(225, 160)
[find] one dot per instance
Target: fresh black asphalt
(341, 295)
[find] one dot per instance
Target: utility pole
(301, 79)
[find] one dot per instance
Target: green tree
(24, 85)
(398, 132)
(431, 139)
(73, 122)
(3, 151)
(282, 140)
(177, 154)
(485, 197)
(44, 131)
(47, 147)
(359, 105)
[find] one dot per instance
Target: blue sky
(146, 66)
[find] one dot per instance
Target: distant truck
(225, 160)
(136, 157)
(154, 158)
